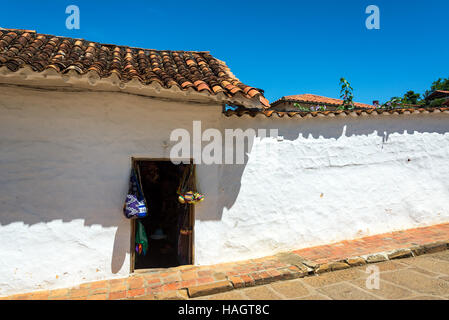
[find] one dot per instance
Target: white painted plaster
(331, 179)
(65, 160)
(64, 170)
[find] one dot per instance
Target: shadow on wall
(121, 246)
(228, 179)
(59, 192)
(382, 125)
(64, 192)
(32, 194)
(221, 188)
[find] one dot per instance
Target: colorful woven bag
(141, 239)
(135, 205)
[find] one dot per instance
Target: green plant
(440, 84)
(346, 94)
(301, 108)
(437, 102)
(411, 97)
(320, 108)
(415, 99)
(392, 103)
(309, 108)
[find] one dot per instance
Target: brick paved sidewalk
(194, 281)
(418, 278)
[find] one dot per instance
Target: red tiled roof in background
(183, 69)
(438, 94)
(312, 98)
(271, 113)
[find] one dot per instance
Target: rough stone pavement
(417, 278)
(194, 281)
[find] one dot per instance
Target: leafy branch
(346, 95)
(309, 108)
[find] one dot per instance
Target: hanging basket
(186, 192)
(185, 232)
(190, 197)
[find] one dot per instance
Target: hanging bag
(135, 204)
(141, 239)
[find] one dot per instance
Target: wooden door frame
(191, 217)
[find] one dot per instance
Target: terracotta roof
(356, 112)
(312, 98)
(437, 94)
(194, 70)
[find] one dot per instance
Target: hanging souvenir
(185, 231)
(135, 204)
(141, 239)
(185, 192)
(191, 197)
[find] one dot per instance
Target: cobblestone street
(422, 277)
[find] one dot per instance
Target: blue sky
(283, 47)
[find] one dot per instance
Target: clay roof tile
(184, 69)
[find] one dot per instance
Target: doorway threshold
(156, 270)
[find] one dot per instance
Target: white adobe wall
(329, 179)
(64, 166)
(64, 170)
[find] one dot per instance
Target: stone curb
(210, 288)
(377, 257)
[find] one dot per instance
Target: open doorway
(169, 224)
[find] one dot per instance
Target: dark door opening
(169, 224)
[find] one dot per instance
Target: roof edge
(50, 78)
(354, 112)
(224, 85)
(284, 99)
